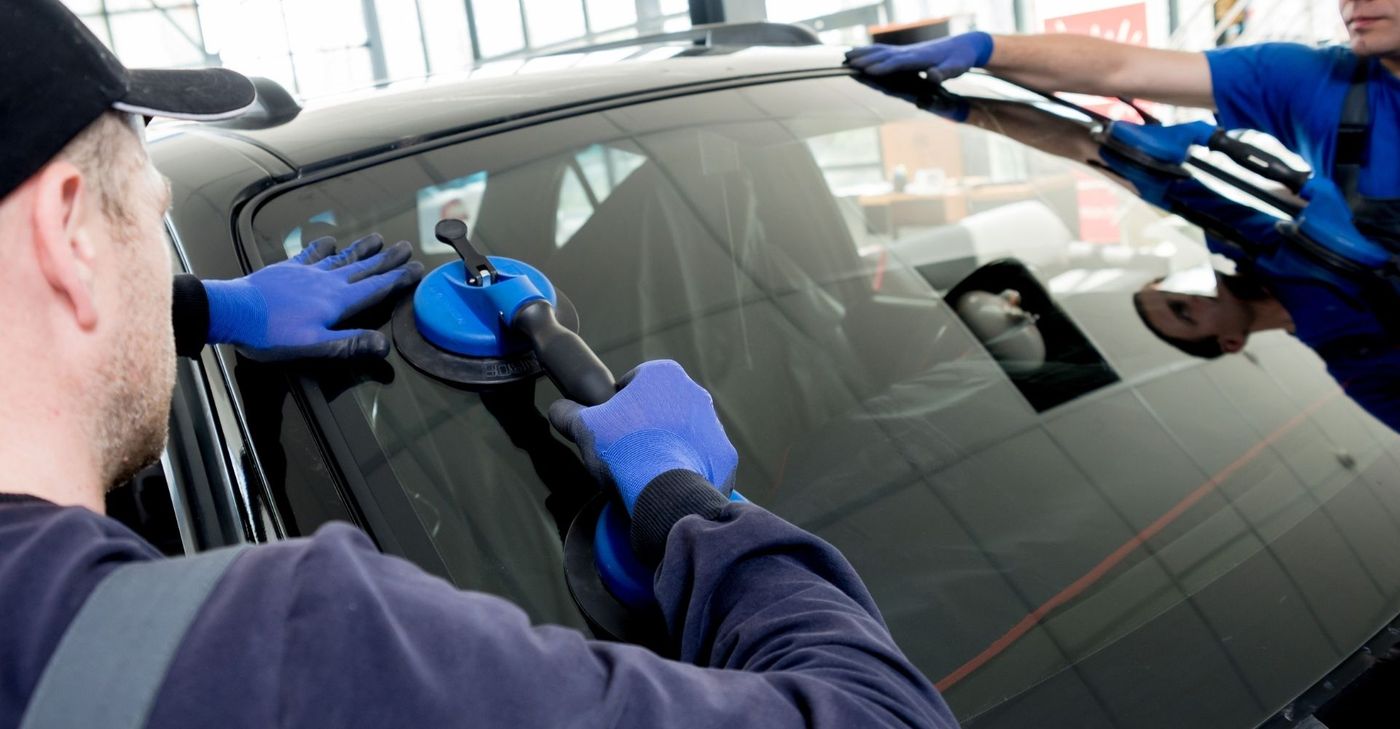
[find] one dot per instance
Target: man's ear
(62, 246)
(1232, 344)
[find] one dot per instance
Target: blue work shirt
(1326, 306)
(1295, 93)
(1325, 310)
(773, 627)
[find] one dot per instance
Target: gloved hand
(289, 310)
(659, 421)
(943, 59)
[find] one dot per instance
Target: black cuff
(670, 497)
(22, 499)
(190, 314)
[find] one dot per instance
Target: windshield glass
(922, 338)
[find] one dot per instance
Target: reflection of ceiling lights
(1194, 281)
(1164, 250)
(552, 63)
(606, 57)
(1068, 281)
(660, 54)
(498, 68)
(764, 51)
(1081, 281)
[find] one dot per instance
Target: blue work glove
(659, 421)
(290, 310)
(943, 59)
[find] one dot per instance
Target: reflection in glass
(1117, 534)
(499, 26)
(1277, 285)
(551, 21)
(610, 14)
(445, 30)
(458, 199)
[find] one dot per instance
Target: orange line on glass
(1025, 625)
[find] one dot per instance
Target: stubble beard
(139, 377)
(1373, 42)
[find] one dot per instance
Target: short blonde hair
(108, 153)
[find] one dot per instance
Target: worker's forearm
(1062, 62)
(1032, 127)
(1088, 65)
(367, 640)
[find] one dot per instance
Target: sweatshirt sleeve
(774, 627)
(190, 314)
(749, 593)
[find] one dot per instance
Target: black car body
(1128, 537)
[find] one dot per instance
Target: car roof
(360, 124)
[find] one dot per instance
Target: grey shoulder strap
(1353, 135)
(112, 660)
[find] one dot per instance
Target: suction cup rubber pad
(610, 618)
(472, 373)
(622, 573)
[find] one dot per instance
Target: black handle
(565, 357)
(1258, 161)
(453, 232)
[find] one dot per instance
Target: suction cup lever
(454, 233)
(565, 357)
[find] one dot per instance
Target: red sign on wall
(1124, 23)
(1098, 208)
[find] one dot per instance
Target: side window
(851, 161)
(911, 183)
(577, 201)
(589, 180)
(322, 223)
(458, 199)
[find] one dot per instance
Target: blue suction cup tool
(1150, 148)
(611, 587)
(622, 573)
(485, 321)
(608, 583)
(454, 326)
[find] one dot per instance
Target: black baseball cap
(56, 78)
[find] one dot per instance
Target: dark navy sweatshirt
(773, 627)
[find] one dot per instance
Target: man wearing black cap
(99, 631)
(64, 91)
